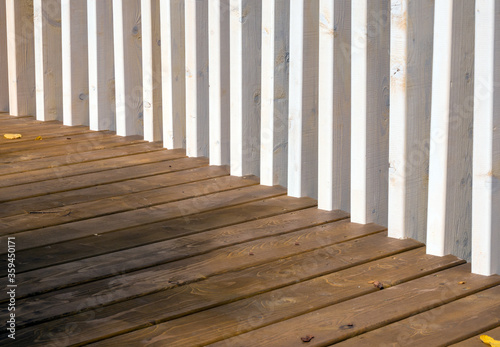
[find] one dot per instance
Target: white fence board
(4, 79)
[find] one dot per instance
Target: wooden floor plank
(123, 220)
(267, 209)
(476, 341)
(267, 281)
(47, 132)
(339, 322)
(441, 326)
(10, 184)
(76, 196)
(201, 267)
(116, 204)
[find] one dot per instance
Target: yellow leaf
(38, 138)
(489, 340)
(12, 136)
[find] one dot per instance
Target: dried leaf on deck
(12, 136)
(307, 338)
(489, 340)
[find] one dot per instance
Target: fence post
(303, 99)
(4, 75)
(334, 107)
(369, 111)
(102, 106)
(21, 57)
(486, 157)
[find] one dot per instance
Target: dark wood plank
(476, 341)
(339, 322)
(441, 326)
(268, 209)
(29, 134)
(87, 157)
(10, 184)
(173, 276)
(276, 294)
(70, 197)
(123, 220)
(116, 204)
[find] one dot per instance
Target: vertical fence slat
(303, 96)
(197, 104)
(102, 107)
(411, 79)
(219, 91)
(48, 59)
(486, 164)
(151, 69)
(4, 79)
(21, 57)
(274, 99)
(334, 113)
(75, 62)
(245, 76)
(173, 73)
(369, 111)
(450, 166)
(128, 67)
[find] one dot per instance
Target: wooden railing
(387, 109)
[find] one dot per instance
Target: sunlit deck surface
(119, 242)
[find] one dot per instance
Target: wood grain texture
(75, 79)
(274, 98)
(128, 67)
(20, 57)
(151, 70)
(197, 101)
(486, 142)
(219, 89)
(245, 80)
(303, 99)
(4, 79)
(173, 73)
(334, 109)
(102, 106)
(48, 59)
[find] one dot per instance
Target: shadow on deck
(119, 242)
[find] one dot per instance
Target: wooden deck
(119, 242)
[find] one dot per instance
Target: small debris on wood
(68, 138)
(307, 338)
(489, 340)
(12, 136)
(251, 253)
(461, 282)
(297, 244)
(38, 138)
(347, 326)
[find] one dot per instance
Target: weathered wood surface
(175, 252)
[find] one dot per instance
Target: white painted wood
(245, 46)
(303, 99)
(20, 57)
(274, 99)
(173, 73)
(128, 66)
(369, 111)
(450, 171)
(197, 102)
(48, 59)
(151, 70)
(219, 90)
(75, 62)
(334, 93)
(102, 107)
(486, 158)
(411, 80)
(4, 79)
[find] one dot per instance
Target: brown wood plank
(46, 132)
(7, 116)
(268, 209)
(123, 220)
(10, 183)
(339, 322)
(102, 191)
(228, 240)
(133, 201)
(80, 157)
(266, 280)
(169, 276)
(71, 149)
(476, 341)
(441, 326)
